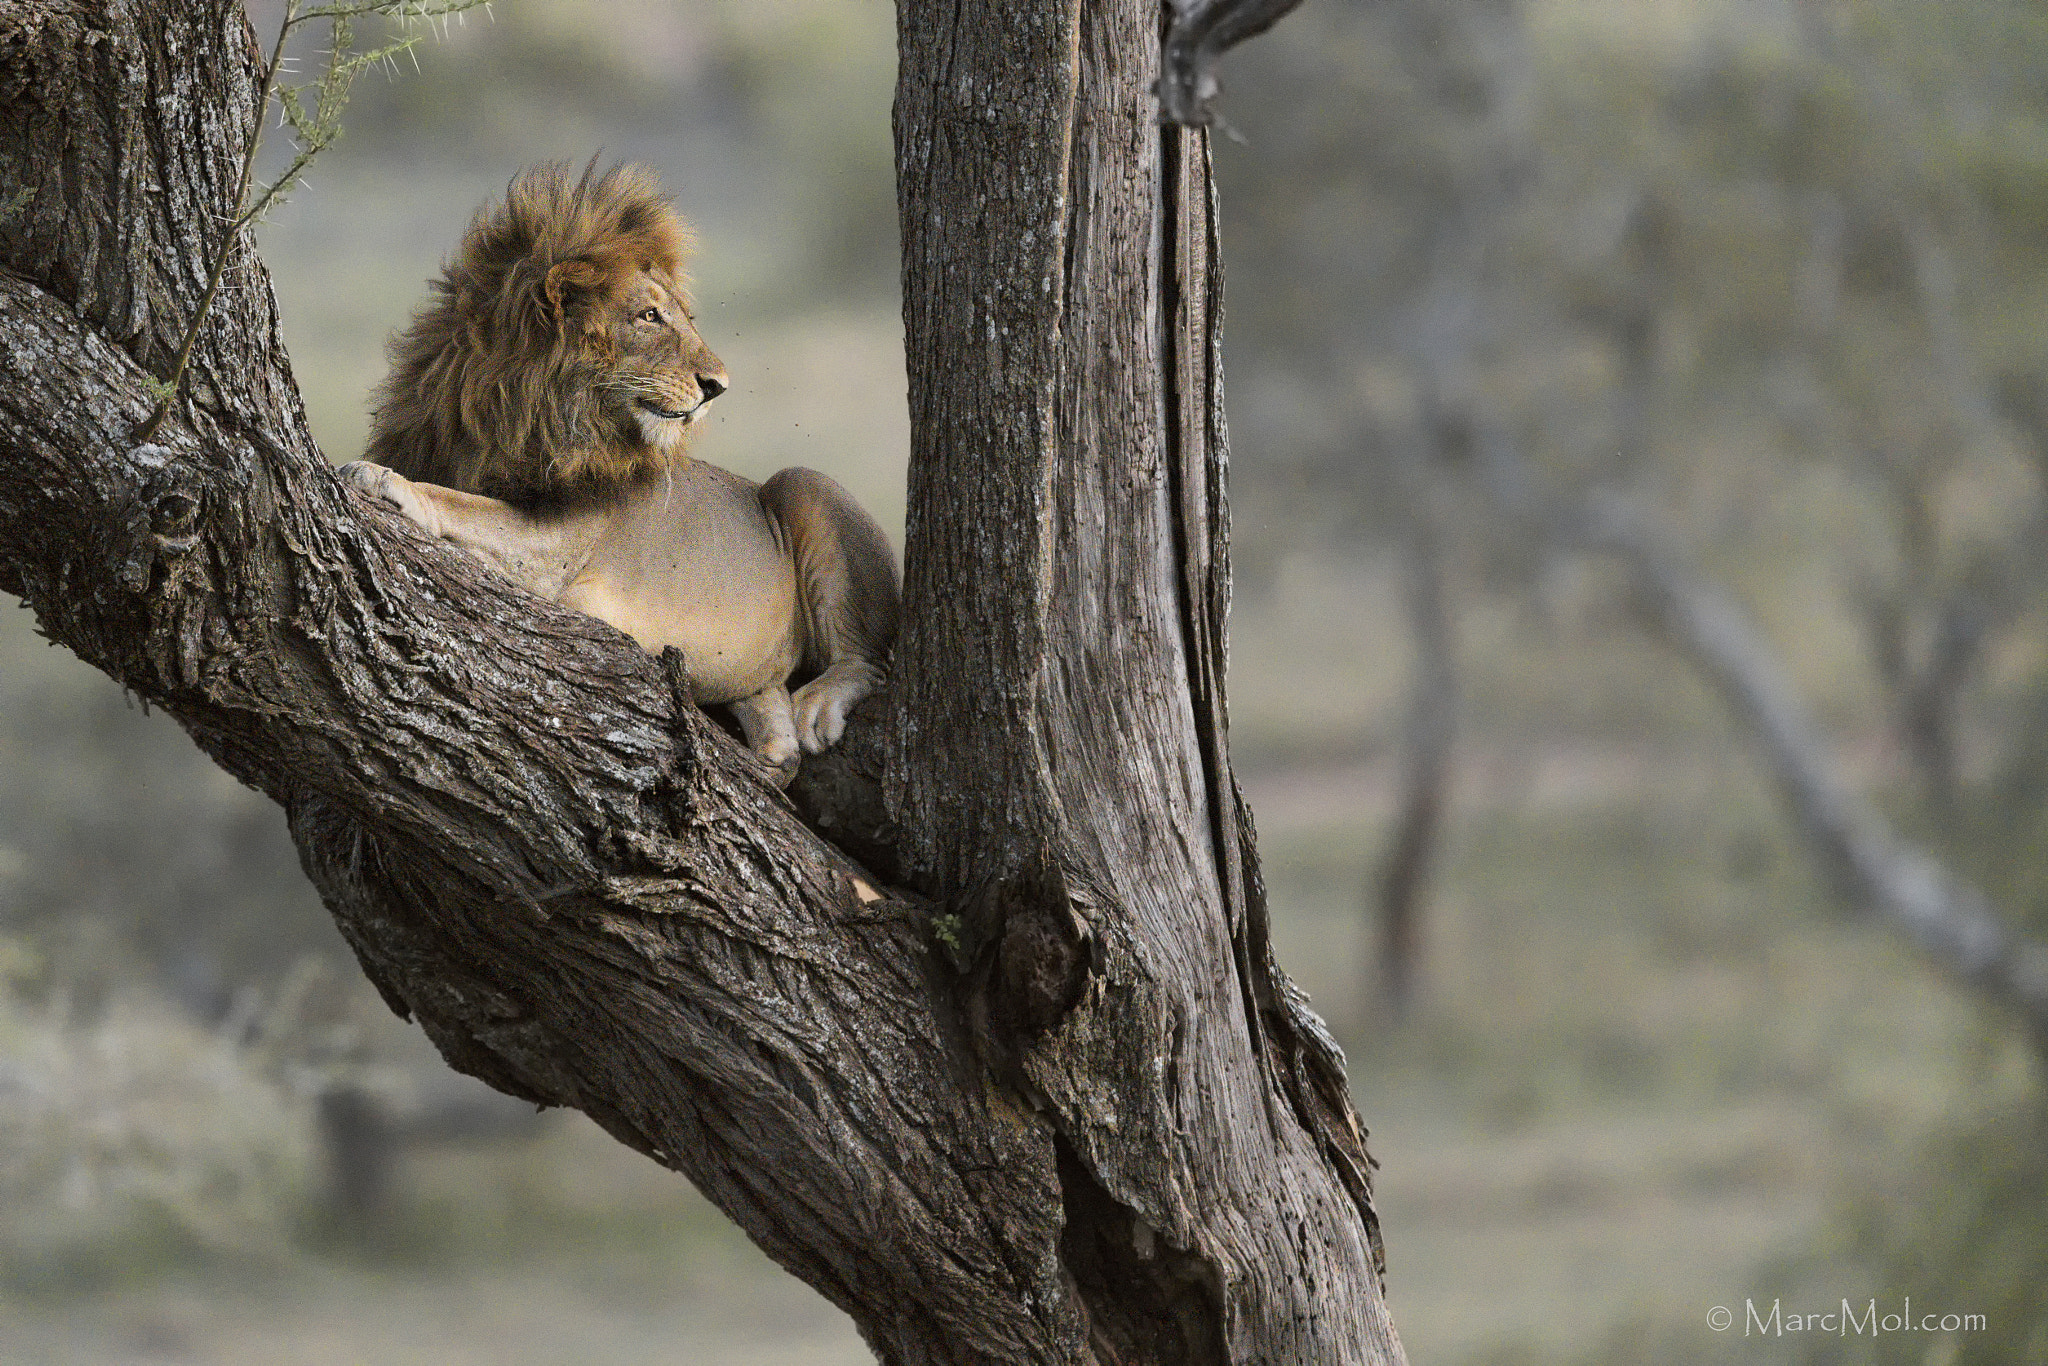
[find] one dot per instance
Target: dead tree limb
(1871, 867)
(1200, 33)
(1099, 1126)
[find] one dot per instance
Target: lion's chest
(693, 563)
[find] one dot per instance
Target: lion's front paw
(389, 486)
(765, 717)
(821, 705)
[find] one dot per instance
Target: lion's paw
(389, 486)
(820, 712)
(765, 717)
(782, 756)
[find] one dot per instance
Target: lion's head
(555, 360)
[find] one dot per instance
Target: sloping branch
(575, 882)
(1949, 920)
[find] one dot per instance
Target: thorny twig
(313, 131)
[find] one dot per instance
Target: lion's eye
(650, 315)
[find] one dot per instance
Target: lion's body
(536, 415)
(699, 561)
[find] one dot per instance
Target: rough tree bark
(1046, 1099)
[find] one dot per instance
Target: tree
(1041, 1094)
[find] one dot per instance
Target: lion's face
(663, 377)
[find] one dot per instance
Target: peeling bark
(1027, 1086)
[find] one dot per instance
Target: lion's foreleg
(846, 589)
(541, 554)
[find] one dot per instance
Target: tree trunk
(1050, 1100)
(1060, 735)
(1400, 885)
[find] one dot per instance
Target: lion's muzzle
(708, 387)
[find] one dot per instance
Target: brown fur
(499, 387)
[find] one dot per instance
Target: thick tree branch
(1068, 543)
(582, 889)
(584, 892)
(1102, 1126)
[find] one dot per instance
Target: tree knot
(163, 523)
(1026, 949)
(174, 521)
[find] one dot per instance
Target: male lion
(536, 414)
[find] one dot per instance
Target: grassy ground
(1645, 1068)
(568, 1249)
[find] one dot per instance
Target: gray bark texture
(1023, 1086)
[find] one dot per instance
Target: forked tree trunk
(1048, 1100)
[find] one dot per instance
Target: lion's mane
(496, 387)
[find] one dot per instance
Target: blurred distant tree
(1364, 229)
(1402, 878)
(1928, 630)
(1754, 302)
(1048, 1100)
(1799, 250)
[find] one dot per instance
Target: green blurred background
(1769, 270)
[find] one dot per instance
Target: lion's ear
(570, 281)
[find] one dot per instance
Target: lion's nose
(711, 386)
